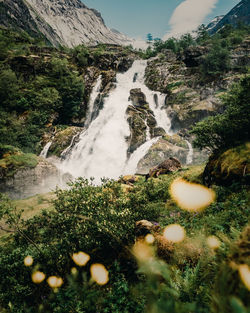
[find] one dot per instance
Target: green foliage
(99, 220)
(8, 88)
(13, 159)
(41, 93)
(231, 127)
(216, 62)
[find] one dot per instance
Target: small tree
(216, 62)
(149, 38)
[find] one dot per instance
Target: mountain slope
(64, 22)
(239, 14)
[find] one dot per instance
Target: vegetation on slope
(42, 87)
(100, 221)
(216, 48)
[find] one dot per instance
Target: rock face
(167, 166)
(29, 181)
(62, 22)
(240, 13)
(62, 139)
(141, 121)
(167, 147)
(187, 99)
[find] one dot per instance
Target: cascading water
(93, 96)
(102, 147)
(45, 150)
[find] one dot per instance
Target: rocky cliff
(64, 22)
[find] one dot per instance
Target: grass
(30, 207)
(34, 205)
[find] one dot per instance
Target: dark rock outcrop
(141, 121)
(167, 166)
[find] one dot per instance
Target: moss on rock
(62, 140)
(231, 165)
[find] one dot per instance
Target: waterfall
(93, 97)
(102, 148)
(45, 150)
(190, 153)
(138, 154)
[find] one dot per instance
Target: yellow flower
(54, 281)
(99, 274)
(142, 251)
(28, 261)
(150, 239)
(38, 277)
(80, 258)
(213, 242)
(174, 233)
(191, 197)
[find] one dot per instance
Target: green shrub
(231, 127)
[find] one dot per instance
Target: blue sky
(136, 18)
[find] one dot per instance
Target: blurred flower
(28, 261)
(142, 251)
(213, 242)
(150, 239)
(174, 233)
(99, 274)
(38, 277)
(244, 272)
(73, 271)
(81, 258)
(191, 197)
(54, 281)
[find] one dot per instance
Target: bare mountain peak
(62, 22)
(239, 14)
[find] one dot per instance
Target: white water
(102, 148)
(93, 96)
(45, 150)
(131, 166)
(190, 154)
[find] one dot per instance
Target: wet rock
(141, 121)
(137, 97)
(62, 140)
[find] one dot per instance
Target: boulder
(144, 227)
(230, 166)
(129, 180)
(137, 97)
(167, 166)
(27, 181)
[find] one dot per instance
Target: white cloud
(188, 16)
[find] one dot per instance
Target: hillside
(124, 174)
(61, 23)
(239, 14)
